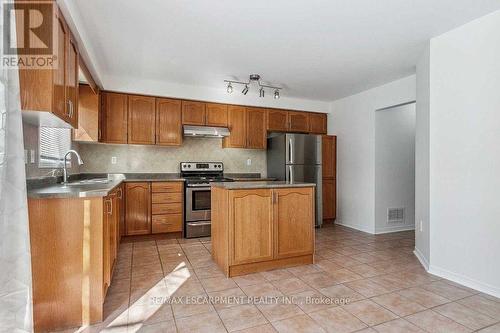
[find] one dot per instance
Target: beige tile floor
(374, 283)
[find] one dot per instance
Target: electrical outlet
(249, 161)
(421, 225)
(32, 156)
(113, 160)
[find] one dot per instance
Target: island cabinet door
(251, 231)
(293, 222)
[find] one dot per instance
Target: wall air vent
(395, 215)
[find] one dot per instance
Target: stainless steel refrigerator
(297, 158)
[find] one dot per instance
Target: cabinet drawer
(159, 187)
(159, 198)
(169, 208)
(166, 223)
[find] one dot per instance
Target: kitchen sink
(88, 182)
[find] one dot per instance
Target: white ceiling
(319, 50)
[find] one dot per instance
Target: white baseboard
(389, 229)
(354, 227)
(465, 281)
(421, 258)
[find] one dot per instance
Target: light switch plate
(32, 156)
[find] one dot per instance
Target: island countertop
(259, 184)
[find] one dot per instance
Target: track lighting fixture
(253, 78)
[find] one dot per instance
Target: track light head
(245, 90)
(276, 94)
(261, 92)
(229, 88)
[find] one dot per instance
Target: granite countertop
(52, 188)
(260, 184)
(251, 179)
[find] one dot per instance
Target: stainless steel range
(198, 176)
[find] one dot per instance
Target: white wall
(353, 121)
(395, 166)
(465, 154)
(174, 90)
(422, 151)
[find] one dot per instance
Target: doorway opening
(395, 168)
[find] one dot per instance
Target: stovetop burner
(203, 173)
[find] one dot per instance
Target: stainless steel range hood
(205, 131)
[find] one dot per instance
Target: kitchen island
(259, 226)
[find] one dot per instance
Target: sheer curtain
(15, 258)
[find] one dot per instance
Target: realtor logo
(28, 35)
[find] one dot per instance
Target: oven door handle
(195, 223)
(198, 187)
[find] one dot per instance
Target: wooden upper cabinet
(59, 105)
(193, 113)
(277, 120)
(141, 119)
(88, 115)
(168, 122)
(329, 152)
(72, 57)
(216, 114)
(138, 208)
(252, 226)
(317, 123)
(293, 222)
(52, 90)
(237, 126)
(298, 121)
(256, 128)
(114, 118)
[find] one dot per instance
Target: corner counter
(259, 226)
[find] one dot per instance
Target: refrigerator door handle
(290, 150)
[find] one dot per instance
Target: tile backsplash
(135, 158)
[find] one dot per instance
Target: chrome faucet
(65, 171)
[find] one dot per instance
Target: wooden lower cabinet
(329, 199)
(261, 229)
(251, 214)
(138, 208)
(70, 282)
(293, 237)
(166, 223)
(167, 207)
(111, 235)
(329, 164)
(154, 207)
